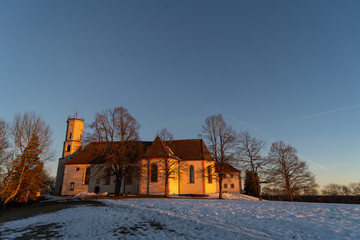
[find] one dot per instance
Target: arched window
(70, 136)
(209, 173)
(191, 174)
(128, 178)
(87, 176)
(154, 173)
(68, 148)
(107, 177)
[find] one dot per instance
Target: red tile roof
(225, 168)
(89, 155)
(189, 149)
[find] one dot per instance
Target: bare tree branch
(165, 135)
(289, 173)
(4, 146)
(31, 138)
(117, 131)
(221, 140)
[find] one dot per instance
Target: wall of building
(71, 174)
(60, 174)
(97, 180)
(184, 186)
(76, 174)
(201, 183)
(110, 188)
(227, 183)
(158, 188)
(210, 186)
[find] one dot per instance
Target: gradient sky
(283, 70)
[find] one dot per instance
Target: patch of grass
(145, 226)
(130, 230)
(156, 225)
(45, 231)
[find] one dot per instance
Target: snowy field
(192, 219)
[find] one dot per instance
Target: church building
(192, 169)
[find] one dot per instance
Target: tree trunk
(290, 195)
(124, 187)
(288, 188)
(118, 186)
(220, 187)
(167, 186)
(259, 191)
(167, 170)
(21, 178)
(148, 177)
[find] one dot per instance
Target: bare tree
(334, 189)
(169, 165)
(250, 158)
(165, 135)
(31, 138)
(289, 173)
(4, 145)
(221, 141)
(49, 184)
(355, 188)
(117, 131)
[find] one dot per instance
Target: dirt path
(10, 214)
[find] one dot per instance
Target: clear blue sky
(283, 70)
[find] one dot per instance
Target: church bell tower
(73, 138)
(73, 142)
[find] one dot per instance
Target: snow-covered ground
(192, 219)
(226, 196)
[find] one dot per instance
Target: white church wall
(74, 173)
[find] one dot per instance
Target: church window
(77, 169)
(128, 179)
(70, 135)
(210, 177)
(232, 186)
(72, 186)
(154, 173)
(191, 171)
(87, 176)
(68, 148)
(231, 176)
(225, 185)
(107, 177)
